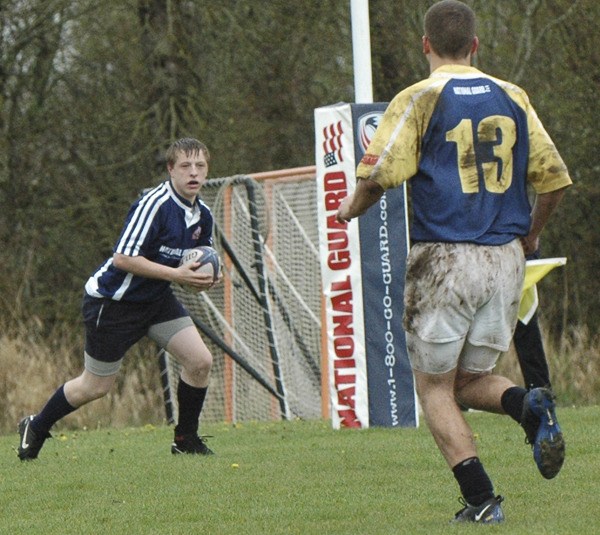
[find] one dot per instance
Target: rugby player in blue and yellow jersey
(130, 297)
(469, 144)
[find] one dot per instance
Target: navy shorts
(112, 327)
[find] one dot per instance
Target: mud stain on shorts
(448, 283)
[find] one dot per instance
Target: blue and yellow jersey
(469, 143)
(160, 226)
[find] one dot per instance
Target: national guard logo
(367, 124)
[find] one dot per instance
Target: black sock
(475, 485)
(57, 407)
(512, 402)
(190, 401)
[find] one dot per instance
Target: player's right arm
(366, 194)
(393, 155)
(389, 161)
(142, 267)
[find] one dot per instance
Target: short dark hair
(450, 28)
(188, 146)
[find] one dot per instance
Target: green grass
(292, 478)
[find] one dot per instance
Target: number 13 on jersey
(498, 131)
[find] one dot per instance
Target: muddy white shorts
(457, 292)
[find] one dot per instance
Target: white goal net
(263, 323)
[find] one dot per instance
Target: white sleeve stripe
(91, 286)
(140, 222)
(118, 295)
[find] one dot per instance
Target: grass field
(292, 478)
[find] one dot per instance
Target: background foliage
(92, 92)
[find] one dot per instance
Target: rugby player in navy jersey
(469, 144)
(130, 297)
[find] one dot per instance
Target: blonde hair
(189, 146)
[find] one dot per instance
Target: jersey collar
(192, 210)
(178, 198)
(456, 71)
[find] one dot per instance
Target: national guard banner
(370, 381)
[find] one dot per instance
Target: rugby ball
(210, 263)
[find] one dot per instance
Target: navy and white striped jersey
(160, 226)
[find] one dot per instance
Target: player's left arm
(548, 175)
(206, 234)
(544, 205)
(546, 170)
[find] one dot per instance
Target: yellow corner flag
(535, 271)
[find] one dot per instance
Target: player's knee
(201, 365)
(89, 387)
(206, 362)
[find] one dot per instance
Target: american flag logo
(329, 159)
(332, 144)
